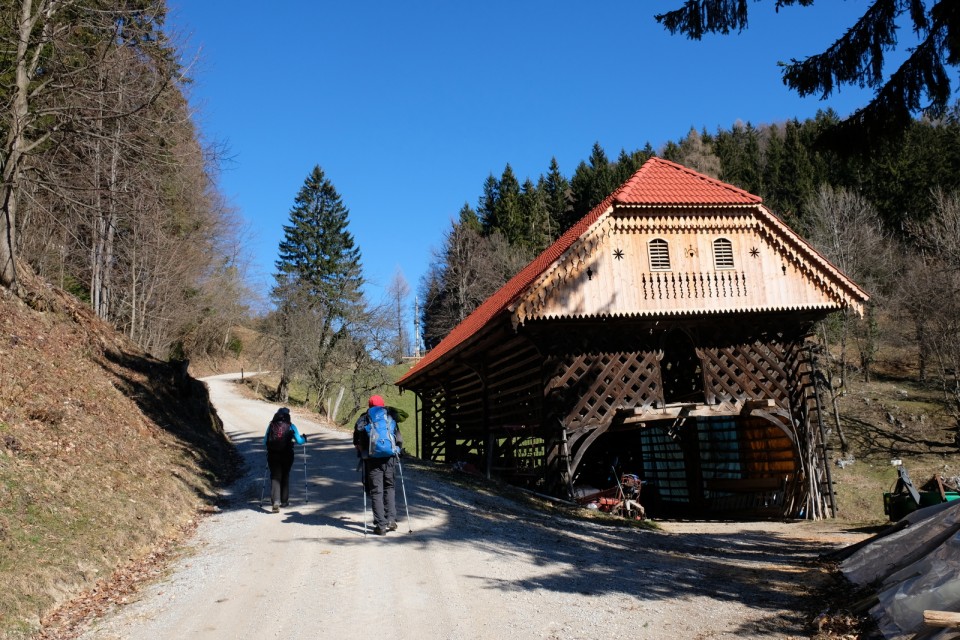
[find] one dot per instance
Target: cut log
(946, 619)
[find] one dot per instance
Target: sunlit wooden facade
(666, 334)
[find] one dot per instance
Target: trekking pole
(304, 472)
(403, 488)
(363, 484)
(263, 484)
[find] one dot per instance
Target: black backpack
(280, 436)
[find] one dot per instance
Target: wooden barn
(665, 335)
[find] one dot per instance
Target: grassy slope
(103, 454)
(886, 419)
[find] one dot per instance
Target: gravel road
(467, 565)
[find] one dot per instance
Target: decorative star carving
(618, 254)
(754, 252)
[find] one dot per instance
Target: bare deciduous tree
(63, 53)
(933, 295)
(469, 269)
(398, 294)
(845, 227)
(847, 230)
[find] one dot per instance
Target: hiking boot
(392, 526)
(379, 532)
(276, 509)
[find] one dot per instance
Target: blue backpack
(381, 428)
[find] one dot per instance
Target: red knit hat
(376, 401)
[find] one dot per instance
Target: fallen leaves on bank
(70, 619)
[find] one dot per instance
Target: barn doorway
(680, 369)
(705, 467)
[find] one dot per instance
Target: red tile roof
(664, 183)
(657, 182)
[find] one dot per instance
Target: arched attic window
(659, 254)
(722, 254)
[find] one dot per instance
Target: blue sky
(408, 107)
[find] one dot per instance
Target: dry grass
(886, 419)
(103, 453)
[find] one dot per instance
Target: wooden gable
(673, 260)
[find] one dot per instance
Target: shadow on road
(763, 570)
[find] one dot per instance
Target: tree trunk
(921, 350)
(16, 145)
(828, 380)
(8, 234)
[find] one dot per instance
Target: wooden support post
(945, 619)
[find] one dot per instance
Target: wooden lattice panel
(596, 385)
(434, 424)
(746, 372)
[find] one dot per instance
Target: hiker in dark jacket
(379, 466)
(280, 449)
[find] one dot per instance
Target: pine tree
(628, 164)
(537, 234)
(772, 173)
(468, 219)
(591, 183)
(794, 192)
(318, 279)
(556, 193)
(739, 152)
(486, 207)
(507, 215)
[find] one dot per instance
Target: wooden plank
(945, 619)
(744, 485)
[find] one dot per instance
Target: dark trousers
(378, 476)
(280, 463)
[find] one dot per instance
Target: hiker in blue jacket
(279, 441)
(379, 459)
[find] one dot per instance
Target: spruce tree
(507, 214)
(318, 278)
(556, 193)
(537, 234)
(794, 193)
(486, 207)
(591, 183)
(629, 163)
(469, 219)
(739, 152)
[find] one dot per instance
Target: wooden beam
(945, 619)
(766, 403)
(673, 411)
